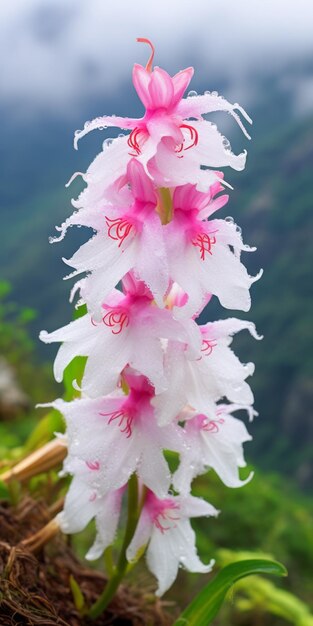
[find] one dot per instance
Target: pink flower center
(165, 515)
(204, 242)
(118, 229)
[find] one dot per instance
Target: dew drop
(107, 142)
(121, 135)
(207, 93)
(214, 93)
(229, 219)
(192, 94)
(238, 230)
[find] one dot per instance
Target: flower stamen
(166, 514)
(118, 229)
(116, 320)
(208, 345)
(125, 421)
(194, 137)
(205, 243)
(212, 425)
(132, 140)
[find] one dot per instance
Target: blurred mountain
(272, 202)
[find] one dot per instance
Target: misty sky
(57, 54)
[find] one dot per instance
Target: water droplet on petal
(107, 142)
(226, 143)
(214, 93)
(238, 230)
(192, 94)
(207, 93)
(229, 219)
(121, 135)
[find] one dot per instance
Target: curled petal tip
(150, 61)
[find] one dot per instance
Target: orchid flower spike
(155, 380)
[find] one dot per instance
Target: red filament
(212, 425)
(205, 243)
(194, 137)
(133, 140)
(116, 320)
(125, 421)
(118, 229)
(208, 345)
(166, 515)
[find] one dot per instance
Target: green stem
(132, 518)
(108, 562)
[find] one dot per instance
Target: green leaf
(45, 430)
(74, 371)
(205, 606)
(4, 491)
(78, 597)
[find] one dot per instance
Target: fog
(57, 54)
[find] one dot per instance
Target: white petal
(98, 285)
(153, 469)
(151, 262)
(99, 379)
(196, 507)
(79, 509)
(162, 559)
(147, 358)
(141, 537)
(185, 539)
(211, 151)
(209, 102)
(106, 523)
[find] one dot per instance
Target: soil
(34, 590)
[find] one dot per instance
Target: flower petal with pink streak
(172, 543)
(213, 443)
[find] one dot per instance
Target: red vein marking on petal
(208, 345)
(118, 229)
(205, 243)
(93, 465)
